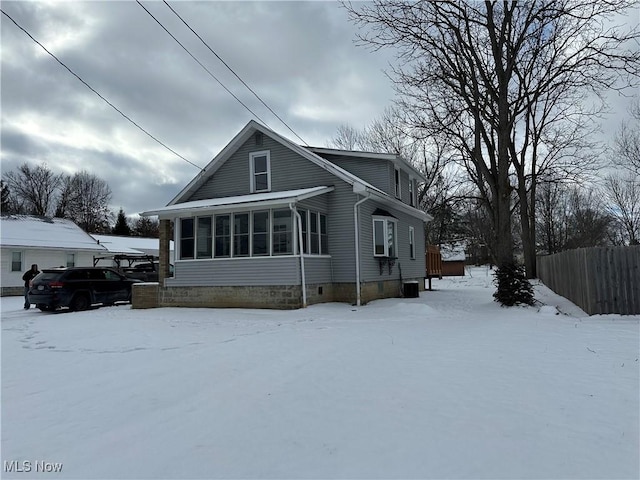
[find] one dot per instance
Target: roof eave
(384, 198)
(168, 213)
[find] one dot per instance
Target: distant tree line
(82, 198)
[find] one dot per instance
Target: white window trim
(21, 268)
(386, 221)
(252, 180)
(398, 182)
(412, 242)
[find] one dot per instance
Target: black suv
(77, 288)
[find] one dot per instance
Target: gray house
(269, 223)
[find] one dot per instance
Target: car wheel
(80, 302)
(43, 308)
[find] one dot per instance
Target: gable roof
(244, 134)
(397, 160)
(27, 231)
(359, 186)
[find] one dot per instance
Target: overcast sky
(300, 57)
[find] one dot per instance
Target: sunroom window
(260, 233)
(241, 235)
(223, 236)
(282, 232)
(186, 238)
(204, 238)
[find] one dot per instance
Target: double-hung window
(412, 243)
(384, 237)
(412, 198)
(71, 259)
(16, 261)
(260, 166)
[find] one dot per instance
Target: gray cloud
(299, 56)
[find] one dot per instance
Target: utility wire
(232, 71)
(98, 94)
(200, 63)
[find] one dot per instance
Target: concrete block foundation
(284, 297)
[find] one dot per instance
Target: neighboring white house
(47, 242)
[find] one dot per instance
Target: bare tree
(497, 79)
(552, 217)
(439, 194)
(85, 200)
(347, 138)
(627, 141)
(623, 195)
(589, 223)
(32, 190)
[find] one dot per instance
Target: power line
(232, 71)
(200, 63)
(96, 92)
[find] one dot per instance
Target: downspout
(302, 272)
(356, 224)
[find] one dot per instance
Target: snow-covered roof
(255, 200)
(39, 232)
(128, 245)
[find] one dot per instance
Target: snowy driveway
(449, 385)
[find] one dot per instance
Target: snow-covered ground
(449, 385)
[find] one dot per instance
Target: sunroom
(251, 240)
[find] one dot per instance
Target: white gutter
(302, 272)
(357, 239)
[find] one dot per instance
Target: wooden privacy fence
(433, 260)
(598, 280)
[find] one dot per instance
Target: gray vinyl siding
(281, 270)
(289, 171)
(317, 269)
(369, 266)
(373, 171)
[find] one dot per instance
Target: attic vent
(258, 138)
